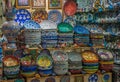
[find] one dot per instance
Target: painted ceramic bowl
(75, 71)
(29, 68)
(81, 30)
(90, 71)
(105, 54)
(106, 67)
(45, 72)
(28, 74)
(65, 28)
(11, 71)
(9, 61)
(44, 61)
(89, 57)
(47, 24)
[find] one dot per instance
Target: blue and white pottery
(21, 16)
(55, 16)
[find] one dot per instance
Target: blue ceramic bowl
(29, 68)
(45, 72)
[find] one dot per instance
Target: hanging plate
(93, 78)
(106, 77)
(51, 79)
(55, 16)
(21, 16)
(39, 15)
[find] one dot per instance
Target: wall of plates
(60, 41)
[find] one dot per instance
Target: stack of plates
(90, 62)
(65, 34)
(49, 34)
(75, 62)
(81, 35)
(106, 59)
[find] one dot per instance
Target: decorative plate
(47, 24)
(93, 78)
(65, 79)
(105, 54)
(39, 15)
(106, 77)
(30, 24)
(21, 16)
(51, 79)
(44, 61)
(55, 16)
(10, 61)
(59, 56)
(70, 20)
(70, 8)
(81, 30)
(89, 56)
(65, 28)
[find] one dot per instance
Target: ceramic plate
(39, 15)
(44, 61)
(30, 24)
(59, 56)
(21, 16)
(55, 16)
(93, 78)
(70, 20)
(47, 24)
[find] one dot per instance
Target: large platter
(55, 16)
(39, 15)
(21, 16)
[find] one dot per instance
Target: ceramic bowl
(45, 72)
(75, 71)
(28, 74)
(29, 68)
(90, 71)
(13, 70)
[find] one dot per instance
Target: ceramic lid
(47, 24)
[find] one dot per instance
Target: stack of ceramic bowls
(10, 30)
(75, 62)
(11, 66)
(45, 63)
(90, 61)
(106, 59)
(65, 34)
(97, 39)
(81, 35)
(49, 34)
(1, 67)
(32, 33)
(60, 62)
(28, 67)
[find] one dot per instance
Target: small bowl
(28, 74)
(45, 72)
(29, 68)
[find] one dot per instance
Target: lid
(47, 24)
(65, 28)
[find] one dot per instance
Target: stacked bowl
(75, 62)
(106, 59)
(81, 35)
(60, 59)
(49, 34)
(65, 34)
(45, 63)
(28, 67)
(11, 66)
(90, 61)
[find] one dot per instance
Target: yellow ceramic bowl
(28, 74)
(91, 71)
(106, 62)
